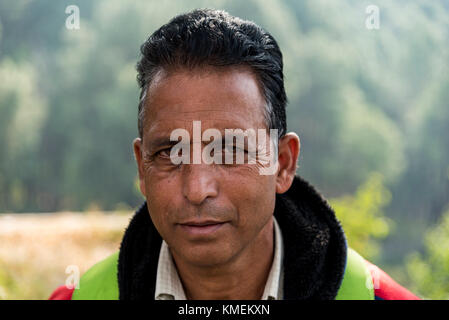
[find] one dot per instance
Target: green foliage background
(370, 107)
(429, 271)
(362, 216)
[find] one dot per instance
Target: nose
(199, 183)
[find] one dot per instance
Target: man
(219, 229)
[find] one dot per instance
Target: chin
(207, 257)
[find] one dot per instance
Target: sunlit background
(371, 106)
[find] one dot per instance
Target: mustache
(204, 212)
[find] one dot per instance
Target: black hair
(206, 37)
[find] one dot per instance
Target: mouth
(201, 227)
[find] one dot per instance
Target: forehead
(219, 98)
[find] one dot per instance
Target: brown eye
(165, 153)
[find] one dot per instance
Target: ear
(288, 153)
(137, 145)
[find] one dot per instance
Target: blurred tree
(422, 191)
(361, 101)
(362, 216)
(353, 94)
(22, 113)
(429, 271)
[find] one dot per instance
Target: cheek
(254, 196)
(161, 196)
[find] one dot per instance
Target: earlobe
(284, 182)
(289, 148)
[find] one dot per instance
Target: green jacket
(100, 281)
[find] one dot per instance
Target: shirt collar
(274, 285)
(169, 286)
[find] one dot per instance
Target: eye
(235, 152)
(234, 149)
(164, 153)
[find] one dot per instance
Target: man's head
(204, 38)
(227, 73)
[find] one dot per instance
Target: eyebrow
(156, 143)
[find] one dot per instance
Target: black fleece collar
(314, 248)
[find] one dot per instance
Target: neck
(242, 278)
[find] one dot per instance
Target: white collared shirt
(169, 286)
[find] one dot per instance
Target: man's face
(207, 214)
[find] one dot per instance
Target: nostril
(197, 191)
(197, 195)
(199, 183)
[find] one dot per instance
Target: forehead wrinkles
(169, 121)
(203, 115)
(166, 126)
(219, 116)
(236, 97)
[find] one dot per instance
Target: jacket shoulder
(363, 280)
(385, 288)
(97, 283)
(356, 279)
(62, 293)
(100, 281)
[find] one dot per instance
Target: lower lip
(201, 230)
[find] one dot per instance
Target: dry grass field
(36, 249)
